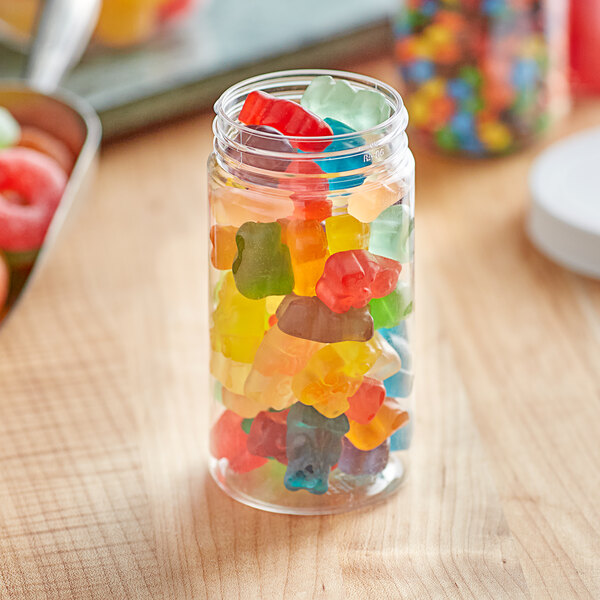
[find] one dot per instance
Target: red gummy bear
(267, 435)
(228, 440)
(366, 401)
(353, 277)
(287, 117)
(309, 193)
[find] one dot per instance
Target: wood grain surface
(104, 491)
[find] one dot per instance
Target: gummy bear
(344, 232)
(286, 116)
(307, 243)
(389, 310)
(390, 417)
(262, 266)
(314, 445)
(308, 186)
(308, 318)
(349, 162)
(368, 201)
(366, 401)
(402, 438)
(352, 277)
(274, 141)
(360, 462)
(337, 99)
(230, 373)
(224, 248)
(390, 233)
(268, 435)
(388, 362)
(241, 405)
(278, 359)
(400, 384)
(239, 323)
(228, 440)
(333, 374)
(234, 206)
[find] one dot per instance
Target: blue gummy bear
(348, 163)
(400, 384)
(400, 440)
(313, 446)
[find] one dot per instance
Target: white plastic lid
(564, 219)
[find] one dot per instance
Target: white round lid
(564, 219)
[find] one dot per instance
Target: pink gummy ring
(31, 186)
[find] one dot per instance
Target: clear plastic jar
(311, 288)
(121, 23)
(482, 77)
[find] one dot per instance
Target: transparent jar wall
(268, 352)
(482, 77)
(121, 23)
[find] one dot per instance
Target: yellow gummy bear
(230, 373)
(333, 374)
(344, 232)
(239, 323)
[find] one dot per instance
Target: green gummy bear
(10, 131)
(263, 266)
(337, 99)
(388, 311)
(390, 233)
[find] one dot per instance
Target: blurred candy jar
(311, 286)
(482, 77)
(121, 22)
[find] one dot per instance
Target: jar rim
(398, 120)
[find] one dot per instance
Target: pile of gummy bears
(476, 72)
(308, 337)
(34, 167)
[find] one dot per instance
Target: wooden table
(103, 484)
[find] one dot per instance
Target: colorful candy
(390, 417)
(389, 310)
(228, 440)
(478, 74)
(344, 232)
(368, 201)
(308, 318)
(366, 401)
(239, 323)
(287, 117)
(224, 248)
(262, 266)
(314, 445)
(353, 277)
(337, 99)
(333, 374)
(268, 434)
(307, 243)
(390, 233)
(273, 141)
(349, 163)
(37, 139)
(360, 462)
(31, 186)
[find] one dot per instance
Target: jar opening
(290, 85)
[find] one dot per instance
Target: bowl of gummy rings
(482, 77)
(120, 24)
(34, 169)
